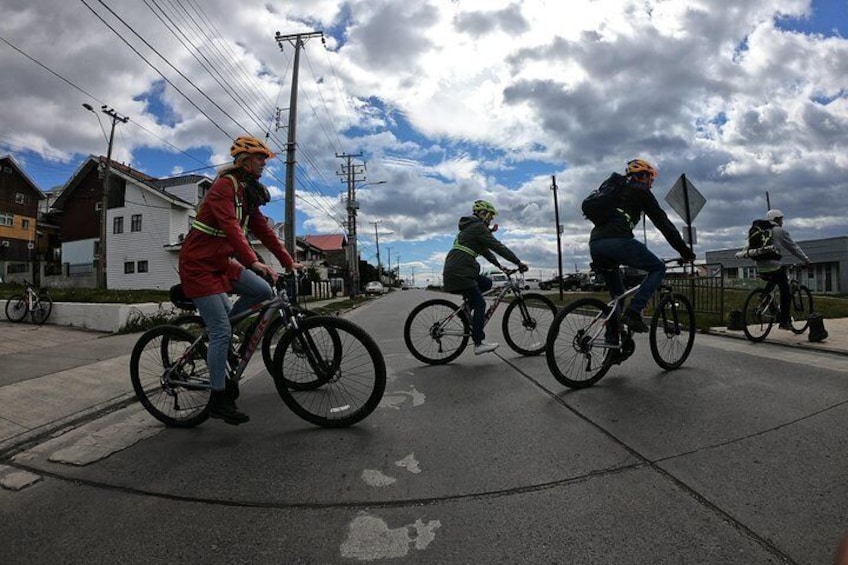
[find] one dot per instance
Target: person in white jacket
(774, 272)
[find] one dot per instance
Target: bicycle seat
(179, 299)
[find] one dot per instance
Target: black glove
(688, 257)
(522, 268)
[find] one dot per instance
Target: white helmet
(774, 214)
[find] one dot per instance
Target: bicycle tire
(347, 395)
(672, 332)
(571, 356)
(16, 308)
(182, 400)
(802, 307)
(41, 309)
(756, 322)
(526, 329)
(428, 339)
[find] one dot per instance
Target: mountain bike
(762, 308)
(193, 322)
(335, 374)
(589, 336)
(38, 305)
(437, 331)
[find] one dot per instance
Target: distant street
(737, 458)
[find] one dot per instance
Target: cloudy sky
(448, 101)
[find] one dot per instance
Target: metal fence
(705, 290)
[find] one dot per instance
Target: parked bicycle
(762, 308)
(437, 331)
(580, 352)
(38, 305)
(326, 369)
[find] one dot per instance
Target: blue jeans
(215, 310)
(474, 295)
(608, 254)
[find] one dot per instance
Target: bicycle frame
(613, 306)
(267, 309)
(512, 287)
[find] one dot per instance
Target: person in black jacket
(462, 271)
(612, 244)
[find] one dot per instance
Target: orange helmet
(247, 144)
(640, 167)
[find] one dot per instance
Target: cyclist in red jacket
(208, 266)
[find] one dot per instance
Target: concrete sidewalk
(52, 377)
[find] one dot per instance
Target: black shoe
(633, 320)
(785, 326)
(223, 407)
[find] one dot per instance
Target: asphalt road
(739, 458)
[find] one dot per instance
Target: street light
(104, 176)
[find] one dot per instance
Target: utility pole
(558, 232)
(389, 260)
(377, 240)
(105, 171)
(349, 173)
(297, 39)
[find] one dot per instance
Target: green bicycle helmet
(484, 206)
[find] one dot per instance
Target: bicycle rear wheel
(802, 307)
(170, 378)
(16, 308)
(672, 331)
(572, 348)
(758, 315)
(341, 367)
(436, 331)
(526, 323)
(41, 309)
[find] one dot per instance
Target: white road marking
(375, 478)
(370, 538)
(409, 463)
(395, 398)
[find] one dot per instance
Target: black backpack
(600, 205)
(760, 243)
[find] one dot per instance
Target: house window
(142, 266)
(118, 224)
(25, 224)
(129, 268)
(7, 219)
(97, 206)
(135, 224)
(20, 198)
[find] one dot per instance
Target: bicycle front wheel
(170, 377)
(672, 331)
(436, 331)
(802, 307)
(574, 348)
(16, 308)
(41, 309)
(340, 366)
(526, 323)
(758, 315)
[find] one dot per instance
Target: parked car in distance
(573, 281)
(375, 288)
(498, 279)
